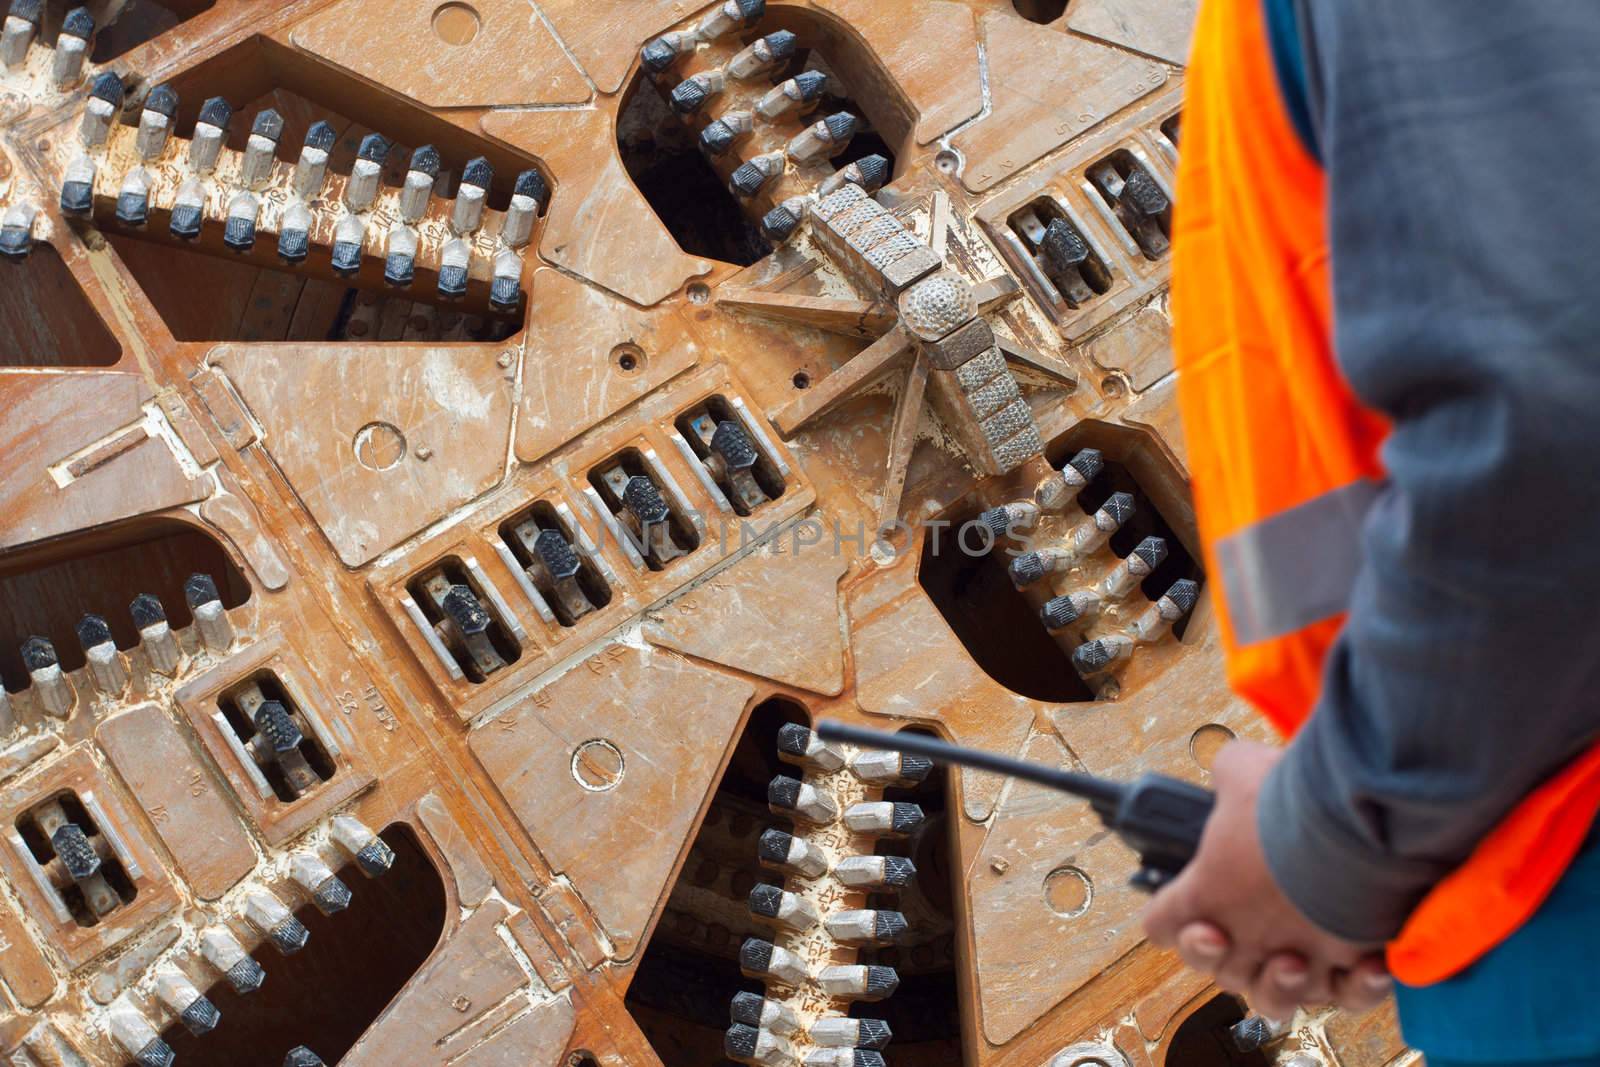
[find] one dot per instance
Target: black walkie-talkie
(1160, 818)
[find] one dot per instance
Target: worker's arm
(1463, 161)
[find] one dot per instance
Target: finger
(1280, 986)
(1203, 946)
(1168, 912)
(1364, 986)
(1238, 972)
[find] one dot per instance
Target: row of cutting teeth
(266, 914)
(20, 30)
(353, 215)
(782, 103)
(1077, 613)
(53, 691)
(803, 1018)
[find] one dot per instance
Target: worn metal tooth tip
(730, 441)
(1144, 193)
(505, 294)
(557, 554)
(399, 270)
(452, 281)
(78, 23)
(794, 739)
(717, 138)
(77, 855)
(425, 160)
(27, 10)
(747, 1008)
(321, 136)
(1152, 552)
(659, 54)
(163, 100)
(200, 589)
(156, 1054)
(756, 955)
(294, 245)
(239, 233)
(375, 859)
(915, 768)
(810, 84)
(779, 224)
(531, 183)
(246, 976)
(93, 630)
(146, 610)
(1119, 507)
(1027, 569)
(1183, 593)
(108, 87)
(133, 209)
(1092, 655)
(766, 900)
(1089, 463)
(1063, 246)
(748, 180)
(841, 126)
(477, 172)
(898, 871)
(781, 44)
(273, 722)
(290, 936)
(346, 257)
(740, 1040)
(688, 96)
(38, 654)
(300, 1056)
(998, 521)
(186, 220)
(465, 610)
(267, 124)
(774, 845)
(641, 497)
(873, 1034)
(874, 171)
(200, 1017)
(332, 896)
(752, 10)
(77, 198)
(216, 112)
(1058, 612)
(374, 148)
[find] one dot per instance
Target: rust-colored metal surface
(452, 454)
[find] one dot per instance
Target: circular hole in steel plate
(456, 23)
(1068, 892)
(699, 293)
(628, 358)
(379, 446)
(1207, 742)
(597, 765)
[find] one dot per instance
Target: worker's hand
(1226, 916)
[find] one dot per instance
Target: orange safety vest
(1284, 460)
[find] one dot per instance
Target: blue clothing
(1537, 995)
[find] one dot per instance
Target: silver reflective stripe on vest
(1296, 568)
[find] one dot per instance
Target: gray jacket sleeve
(1462, 145)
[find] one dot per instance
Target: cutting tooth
(1062, 488)
(100, 110)
(239, 229)
(400, 256)
(780, 224)
(72, 45)
(875, 872)
(662, 52)
(763, 959)
(51, 687)
(155, 122)
(763, 1013)
(349, 234)
(312, 167)
(505, 285)
(791, 854)
(16, 230)
(362, 188)
(1170, 608)
(455, 266)
(762, 55)
(210, 618)
(1125, 577)
(856, 981)
(365, 847)
(801, 746)
(300, 1056)
(421, 174)
(222, 950)
(326, 890)
(1098, 656)
(729, 16)
(844, 1057)
(719, 136)
(294, 234)
(155, 635)
(883, 818)
(138, 1038)
(796, 94)
(275, 921)
(890, 768)
(77, 187)
(106, 665)
(210, 133)
(746, 1044)
(21, 26)
(1073, 609)
(528, 200)
(824, 138)
(1010, 518)
(690, 96)
(838, 1031)
(870, 173)
(261, 149)
(788, 910)
(751, 177)
(188, 210)
(466, 213)
(792, 797)
(197, 1013)
(866, 926)
(133, 199)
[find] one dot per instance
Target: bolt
(424, 453)
(504, 360)
(999, 865)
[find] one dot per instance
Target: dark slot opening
(1041, 11)
(1171, 127)
(499, 633)
(689, 972)
(994, 622)
(49, 321)
(1203, 1039)
(633, 464)
(45, 591)
(245, 729)
(43, 852)
(326, 996)
(544, 515)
